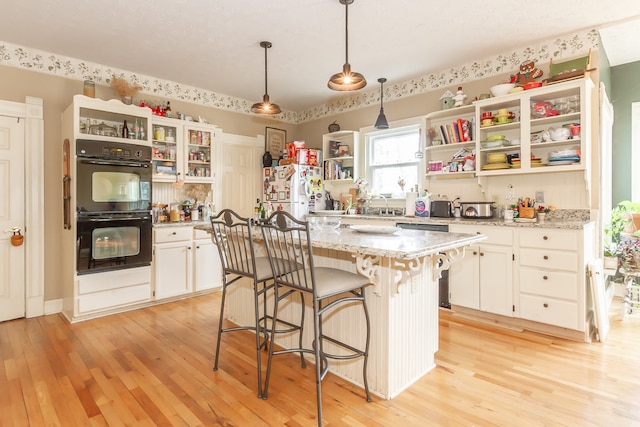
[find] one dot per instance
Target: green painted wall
(625, 90)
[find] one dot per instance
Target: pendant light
(381, 123)
(346, 80)
(265, 107)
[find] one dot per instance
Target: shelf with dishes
(106, 120)
(549, 130)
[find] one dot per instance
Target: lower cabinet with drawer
(551, 280)
(185, 261)
(531, 274)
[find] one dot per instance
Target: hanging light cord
(266, 46)
(346, 32)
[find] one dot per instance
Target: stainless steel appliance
(113, 205)
(443, 283)
(297, 189)
(476, 209)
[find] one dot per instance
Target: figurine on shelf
(459, 97)
(528, 73)
(446, 100)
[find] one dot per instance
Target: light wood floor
(154, 367)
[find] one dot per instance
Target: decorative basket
(527, 212)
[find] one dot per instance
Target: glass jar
(89, 89)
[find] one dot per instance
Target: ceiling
(214, 45)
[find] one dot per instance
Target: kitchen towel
(410, 199)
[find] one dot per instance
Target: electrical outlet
(539, 196)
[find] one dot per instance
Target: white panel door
(12, 269)
(241, 170)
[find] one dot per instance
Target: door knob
(15, 230)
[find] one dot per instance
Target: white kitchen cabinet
(168, 152)
(444, 142)
(340, 152)
(207, 269)
(185, 261)
(551, 276)
(173, 261)
(576, 92)
(91, 295)
(183, 150)
(482, 280)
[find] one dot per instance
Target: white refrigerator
(297, 189)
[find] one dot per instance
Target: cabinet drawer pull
(546, 257)
(545, 305)
(545, 238)
(174, 233)
(545, 277)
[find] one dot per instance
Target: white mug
(508, 215)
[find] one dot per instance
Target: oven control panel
(112, 150)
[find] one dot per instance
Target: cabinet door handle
(481, 253)
(545, 305)
(174, 233)
(475, 252)
(545, 278)
(545, 238)
(197, 247)
(546, 257)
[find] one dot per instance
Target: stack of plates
(496, 161)
(564, 157)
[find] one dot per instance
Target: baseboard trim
(53, 306)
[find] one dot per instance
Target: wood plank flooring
(154, 367)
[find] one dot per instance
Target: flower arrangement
(361, 186)
(628, 253)
(124, 88)
(547, 209)
(401, 183)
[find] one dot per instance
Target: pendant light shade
(346, 80)
(381, 123)
(265, 107)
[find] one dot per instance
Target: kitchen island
(403, 301)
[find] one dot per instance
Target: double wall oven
(113, 206)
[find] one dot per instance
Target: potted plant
(622, 222)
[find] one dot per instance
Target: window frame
(368, 133)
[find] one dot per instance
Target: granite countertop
(558, 222)
(180, 224)
(402, 244)
(549, 223)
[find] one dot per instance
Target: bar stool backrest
(288, 242)
(233, 237)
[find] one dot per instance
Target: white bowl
(502, 89)
(560, 134)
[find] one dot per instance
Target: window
(392, 155)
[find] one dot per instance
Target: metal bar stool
(233, 237)
(288, 240)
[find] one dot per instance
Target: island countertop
(402, 244)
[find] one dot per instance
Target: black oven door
(113, 242)
(113, 186)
